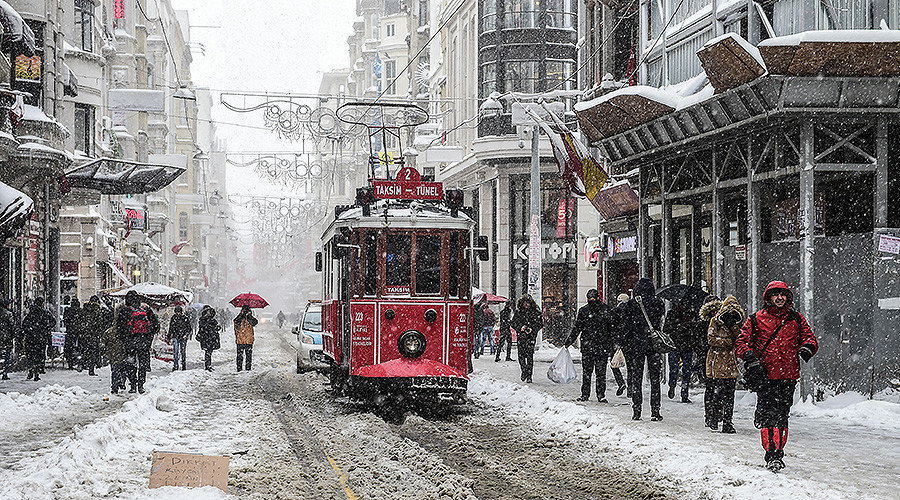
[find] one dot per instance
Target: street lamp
(491, 107)
(185, 93)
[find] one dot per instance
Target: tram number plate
(408, 190)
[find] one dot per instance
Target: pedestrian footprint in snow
(725, 320)
(772, 343)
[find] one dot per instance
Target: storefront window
(559, 74)
(488, 79)
(522, 76)
(560, 14)
(489, 15)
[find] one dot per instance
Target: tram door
(343, 291)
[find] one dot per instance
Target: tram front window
(428, 264)
(399, 267)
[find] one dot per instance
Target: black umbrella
(683, 295)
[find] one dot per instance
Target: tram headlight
(411, 343)
(431, 315)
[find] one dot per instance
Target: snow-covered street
(68, 438)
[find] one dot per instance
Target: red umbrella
(249, 299)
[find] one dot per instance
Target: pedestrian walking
(487, 330)
(684, 326)
(477, 326)
(594, 324)
(72, 322)
(505, 331)
(243, 336)
(138, 324)
(772, 342)
(617, 325)
(38, 325)
(114, 341)
(527, 322)
(8, 334)
(178, 335)
(279, 319)
(637, 316)
(93, 324)
(208, 335)
(725, 319)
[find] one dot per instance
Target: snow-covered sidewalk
(844, 447)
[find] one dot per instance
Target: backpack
(139, 323)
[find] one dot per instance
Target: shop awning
(118, 272)
(17, 37)
(15, 209)
(117, 176)
(70, 81)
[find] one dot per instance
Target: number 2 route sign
(408, 186)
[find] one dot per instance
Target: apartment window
(390, 73)
(560, 14)
(488, 79)
(84, 128)
(151, 83)
(522, 76)
(183, 227)
(559, 74)
(84, 14)
(522, 13)
(376, 25)
(389, 29)
(489, 15)
(423, 13)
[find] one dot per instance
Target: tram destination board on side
(408, 190)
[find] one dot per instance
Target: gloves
(806, 352)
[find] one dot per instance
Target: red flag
(128, 229)
(177, 248)
(631, 68)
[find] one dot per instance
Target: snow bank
(852, 408)
(20, 409)
(645, 446)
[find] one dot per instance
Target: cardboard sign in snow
(188, 469)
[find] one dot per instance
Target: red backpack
(139, 324)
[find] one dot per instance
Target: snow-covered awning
(17, 37)
(834, 53)
(15, 209)
(118, 176)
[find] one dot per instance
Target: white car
(309, 339)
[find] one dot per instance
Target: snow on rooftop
(749, 47)
(873, 36)
(659, 95)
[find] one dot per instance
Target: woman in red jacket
(771, 343)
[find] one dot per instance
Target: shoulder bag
(660, 341)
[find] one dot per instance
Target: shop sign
(555, 251)
(592, 253)
(58, 339)
(740, 252)
(135, 219)
(621, 244)
(408, 186)
(889, 244)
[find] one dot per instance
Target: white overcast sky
(271, 46)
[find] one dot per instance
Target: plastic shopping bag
(618, 360)
(562, 370)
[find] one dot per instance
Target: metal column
(697, 262)
(807, 246)
(753, 236)
(715, 240)
(642, 234)
(666, 251)
(881, 175)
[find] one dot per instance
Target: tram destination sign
(408, 190)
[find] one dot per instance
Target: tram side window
(371, 263)
(428, 264)
(453, 264)
(397, 257)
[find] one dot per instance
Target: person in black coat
(637, 347)
(208, 334)
(73, 323)
(179, 333)
(594, 323)
(8, 334)
(38, 325)
(684, 326)
(505, 332)
(527, 322)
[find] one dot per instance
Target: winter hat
(95, 298)
(622, 298)
(593, 294)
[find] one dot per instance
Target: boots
(636, 415)
(773, 441)
(656, 416)
(30, 375)
(727, 428)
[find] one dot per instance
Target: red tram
(397, 293)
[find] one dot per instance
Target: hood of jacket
(710, 309)
(91, 307)
(778, 285)
(728, 305)
(644, 288)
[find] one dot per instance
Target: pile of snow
(852, 408)
(752, 50)
(825, 36)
